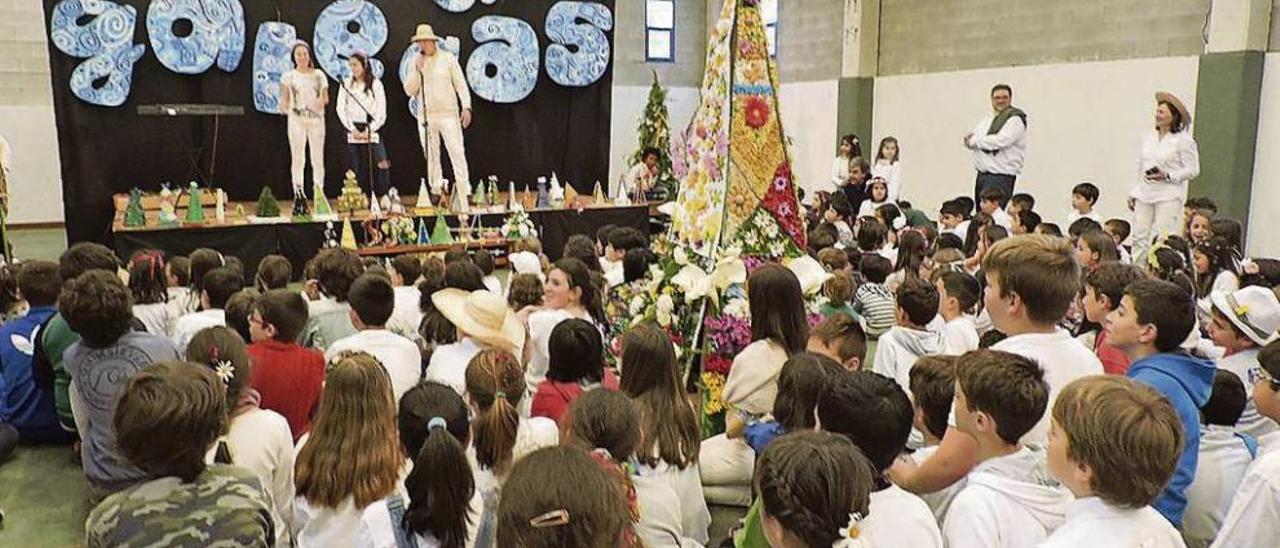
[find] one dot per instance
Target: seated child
(958, 293)
(1083, 197)
(873, 300)
(287, 376)
(1019, 203)
(953, 219)
(1008, 499)
(1224, 456)
(902, 345)
(933, 384)
(1025, 222)
(839, 337)
(1103, 289)
(525, 289)
(839, 291)
(990, 201)
(802, 380)
(1243, 322)
(1095, 420)
(1049, 229)
(1254, 517)
(1119, 231)
(830, 510)
(837, 213)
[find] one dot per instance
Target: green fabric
(751, 535)
(327, 327)
(827, 310)
(997, 123)
(58, 336)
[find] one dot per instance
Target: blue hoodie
(1187, 382)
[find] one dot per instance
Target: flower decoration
(225, 371)
(854, 528)
(757, 112)
(713, 387)
(518, 225)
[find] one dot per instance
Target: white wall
(1263, 226)
(35, 186)
(1086, 122)
(809, 121)
(627, 105)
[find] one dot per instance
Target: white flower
(770, 229)
(681, 257)
(636, 306)
(776, 248)
(225, 371)
(665, 304)
(737, 308)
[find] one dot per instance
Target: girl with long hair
(570, 292)
(801, 382)
(779, 330)
(352, 457)
(147, 282)
(256, 438)
(815, 488)
(304, 94)
(849, 149)
(670, 437)
(912, 252)
(443, 506)
(1215, 265)
(888, 166)
(500, 432)
(1094, 248)
(362, 109)
(560, 496)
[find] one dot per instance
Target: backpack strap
(395, 507)
(1250, 443)
(41, 364)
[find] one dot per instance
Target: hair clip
(225, 371)
(499, 394)
(436, 422)
(854, 528)
(554, 518)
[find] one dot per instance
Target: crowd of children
(982, 381)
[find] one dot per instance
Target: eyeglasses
(1264, 375)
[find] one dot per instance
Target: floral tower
(737, 187)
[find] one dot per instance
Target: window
(660, 30)
(769, 14)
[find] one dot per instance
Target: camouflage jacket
(225, 506)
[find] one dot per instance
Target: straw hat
(1254, 310)
(1166, 97)
(425, 32)
(483, 315)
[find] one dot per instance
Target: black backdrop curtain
(106, 150)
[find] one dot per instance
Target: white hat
(482, 315)
(1254, 310)
(809, 272)
(525, 262)
(425, 32)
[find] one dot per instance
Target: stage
(302, 240)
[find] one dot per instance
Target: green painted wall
(853, 110)
(1228, 92)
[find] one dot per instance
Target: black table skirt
(299, 242)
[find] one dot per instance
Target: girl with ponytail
(815, 489)
(495, 390)
(443, 507)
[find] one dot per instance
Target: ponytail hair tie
(436, 422)
(499, 394)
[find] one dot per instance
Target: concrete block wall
(810, 40)
(24, 58)
(629, 65)
(918, 36)
(26, 114)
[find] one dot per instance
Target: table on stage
(302, 240)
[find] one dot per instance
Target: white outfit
(540, 325)
(1093, 523)
(1002, 218)
(306, 126)
(1157, 209)
(1223, 459)
(868, 207)
(1008, 502)
(938, 501)
(1003, 152)
(493, 284)
(377, 531)
(839, 174)
(1245, 365)
(892, 174)
(1254, 518)
(898, 350)
(442, 85)
(961, 335)
(260, 440)
(357, 105)
(637, 177)
(532, 434)
(751, 388)
(661, 523)
(399, 356)
(157, 317)
(187, 326)
(691, 504)
(406, 315)
(899, 518)
(614, 278)
(1076, 215)
(448, 365)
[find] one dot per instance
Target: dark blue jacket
(22, 403)
(1187, 382)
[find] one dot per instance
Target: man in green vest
(999, 143)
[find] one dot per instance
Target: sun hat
(482, 315)
(1166, 97)
(425, 32)
(1254, 310)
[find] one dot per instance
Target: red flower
(719, 364)
(757, 112)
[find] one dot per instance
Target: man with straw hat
(1169, 159)
(483, 321)
(436, 79)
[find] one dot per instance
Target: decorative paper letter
(509, 47)
(272, 51)
(585, 66)
(105, 41)
(216, 33)
(345, 27)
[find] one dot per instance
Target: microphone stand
(368, 146)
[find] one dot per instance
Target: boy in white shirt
(219, 285)
(372, 300)
(1095, 420)
(1119, 231)
(1031, 281)
(1008, 499)
(621, 240)
(952, 218)
(1254, 518)
(1224, 454)
(991, 201)
(407, 312)
(1244, 321)
(958, 292)
(933, 385)
(1083, 198)
(908, 340)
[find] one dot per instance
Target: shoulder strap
(1250, 443)
(41, 365)
(395, 507)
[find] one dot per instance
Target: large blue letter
(106, 77)
(585, 66)
(345, 27)
(450, 44)
(459, 6)
(272, 58)
(510, 46)
(217, 33)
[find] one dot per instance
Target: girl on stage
(362, 108)
(304, 93)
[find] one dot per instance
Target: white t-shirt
(938, 501)
(157, 317)
(1254, 518)
(1245, 365)
(532, 434)
(892, 174)
(260, 440)
(1092, 523)
(377, 531)
(1063, 359)
(960, 334)
(401, 358)
(406, 316)
(661, 522)
(449, 363)
(691, 503)
(1006, 502)
(541, 323)
(1223, 459)
(899, 518)
(305, 90)
(187, 326)
(1002, 218)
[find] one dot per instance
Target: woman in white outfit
(362, 109)
(1169, 159)
(304, 93)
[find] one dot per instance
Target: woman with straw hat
(483, 321)
(1169, 159)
